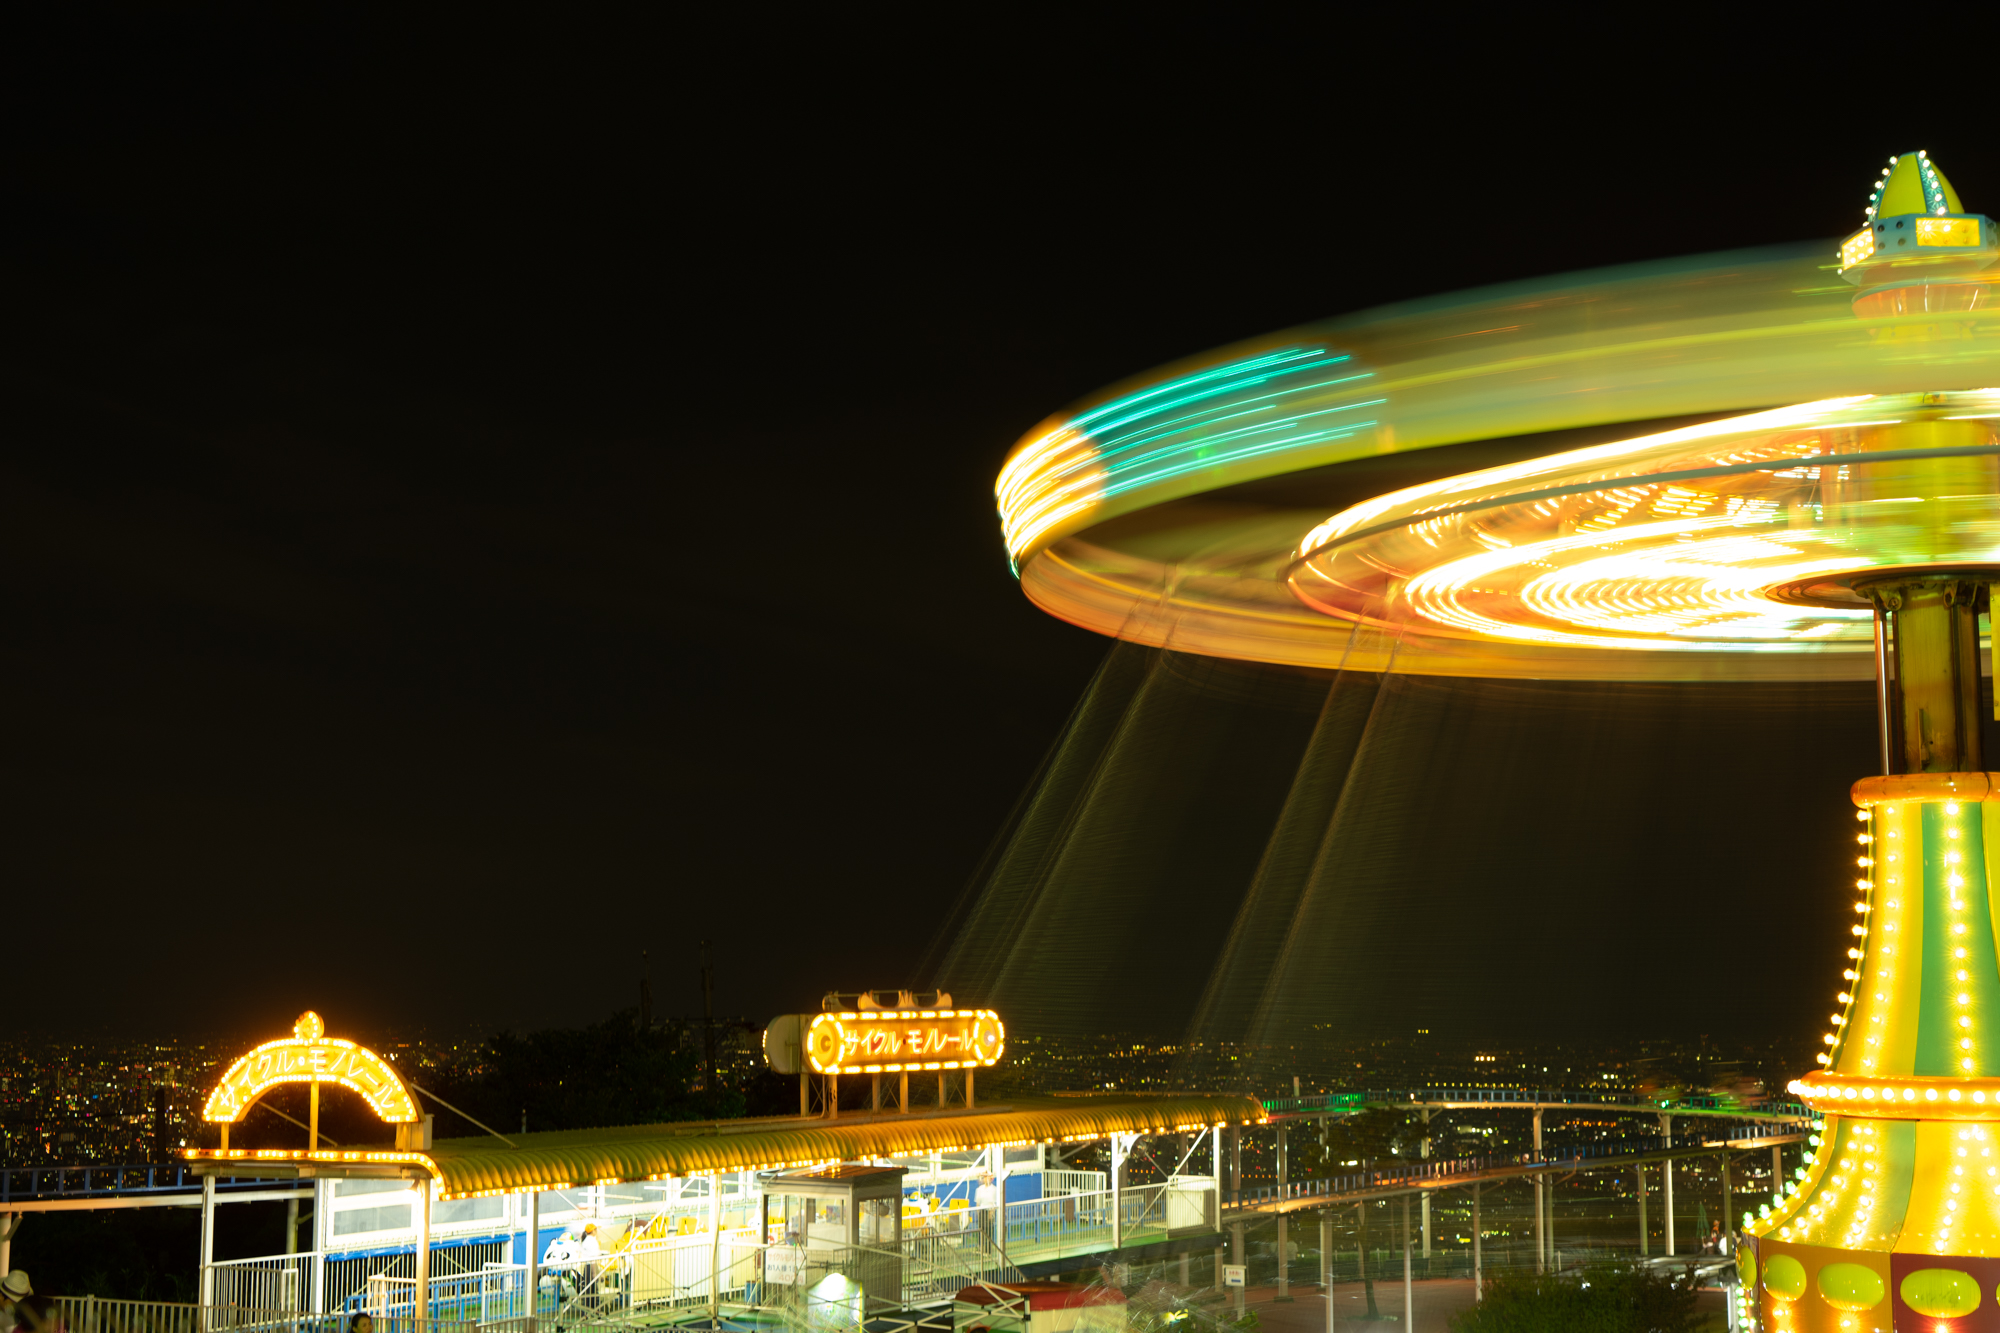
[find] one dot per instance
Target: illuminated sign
(310, 1056)
(1947, 231)
(889, 1041)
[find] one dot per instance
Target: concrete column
(1236, 1163)
(1284, 1267)
(1667, 1201)
(1236, 1257)
(291, 1226)
(996, 1157)
(531, 1308)
(207, 1296)
(1550, 1230)
(322, 1228)
(1541, 1190)
(1236, 1194)
(715, 1246)
(1645, 1240)
(1409, 1290)
(1117, 1192)
(1727, 1224)
(423, 1310)
(1326, 1265)
(1424, 1151)
(1478, 1268)
(1667, 1182)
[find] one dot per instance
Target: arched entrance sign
(310, 1056)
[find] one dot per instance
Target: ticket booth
(838, 1232)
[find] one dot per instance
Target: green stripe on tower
(1958, 955)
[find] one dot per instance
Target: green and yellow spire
(1917, 230)
(1912, 183)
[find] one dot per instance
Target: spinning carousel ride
(1766, 465)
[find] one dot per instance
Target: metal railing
(659, 1278)
(1345, 1102)
(285, 1281)
(96, 1314)
(1061, 1180)
(1414, 1173)
(64, 1182)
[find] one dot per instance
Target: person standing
(588, 1252)
(14, 1288)
(986, 1204)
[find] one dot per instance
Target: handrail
(1757, 1109)
(99, 1314)
(1414, 1172)
(26, 1183)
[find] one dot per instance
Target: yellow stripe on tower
(1952, 1209)
(1880, 1037)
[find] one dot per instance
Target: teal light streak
(1209, 448)
(1216, 391)
(1233, 369)
(1152, 435)
(1181, 424)
(1290, 441)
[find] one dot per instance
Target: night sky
(479, 502)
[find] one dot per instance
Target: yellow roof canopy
(466, 1167)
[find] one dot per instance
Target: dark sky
(478, 501)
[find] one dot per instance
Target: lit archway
(309, 1056)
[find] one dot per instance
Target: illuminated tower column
(1896, 1222)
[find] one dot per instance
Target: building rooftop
(469, 1167)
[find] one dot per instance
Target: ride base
(1894, 1223)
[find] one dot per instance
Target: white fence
(667, 1265)
(287, 1281)
(649, 1280)
(93, 1314)
(1056, 1182)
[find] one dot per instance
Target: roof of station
(468, 1167)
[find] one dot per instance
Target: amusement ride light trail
(1776, 465)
